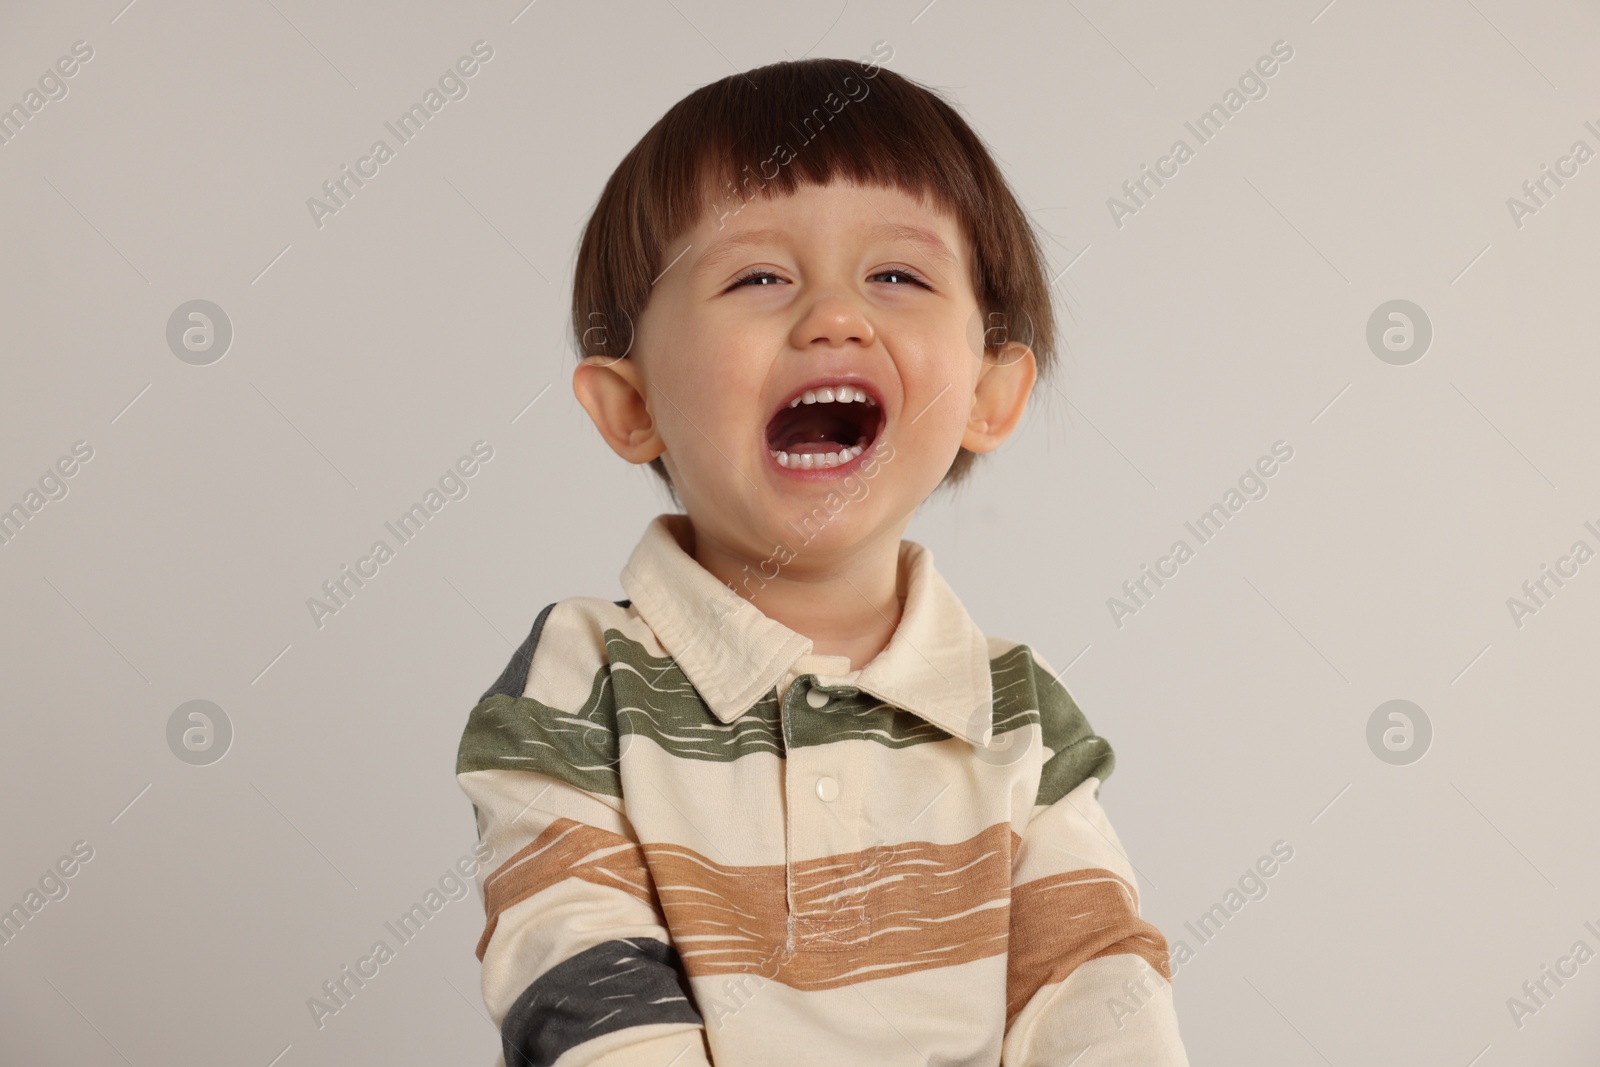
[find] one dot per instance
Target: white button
(816, 698)
(827, 788)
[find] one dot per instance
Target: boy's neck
(849, 605)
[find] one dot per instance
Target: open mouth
(824, 427)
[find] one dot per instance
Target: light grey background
(369, 354)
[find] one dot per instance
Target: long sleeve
(1088, 979)
(578, 966)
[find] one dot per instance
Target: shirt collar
(936, 665)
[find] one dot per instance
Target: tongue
(807, 430)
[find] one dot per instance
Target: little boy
(786, 803)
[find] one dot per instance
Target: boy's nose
(834, 321)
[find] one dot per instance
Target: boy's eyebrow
(924, 239)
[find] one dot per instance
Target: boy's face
(839, 283)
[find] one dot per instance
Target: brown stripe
(1063, 920)
(566, 849)
(876, 913)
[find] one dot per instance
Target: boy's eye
(904, 276)
(762, 278)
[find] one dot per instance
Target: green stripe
(1077, 751)
(633, 693)
(638, 693)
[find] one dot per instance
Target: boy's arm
(1087, 978)
(577, 961)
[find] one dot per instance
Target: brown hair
(866, 125)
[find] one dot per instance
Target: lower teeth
(819, 460)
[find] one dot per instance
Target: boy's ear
(612, 392)
(1001, 396)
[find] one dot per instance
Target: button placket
(824, 821)
(849, 917)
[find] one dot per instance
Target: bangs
(809, 123)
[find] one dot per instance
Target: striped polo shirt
(711, 845)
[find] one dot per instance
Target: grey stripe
(513, 681)
(622, 983)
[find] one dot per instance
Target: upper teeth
(844, 394)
